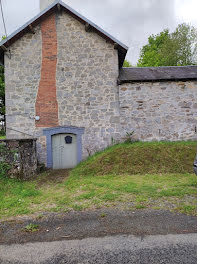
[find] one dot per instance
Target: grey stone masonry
(22, 76)
(87, 90)
(159, 110)
(21, 157)
(86, 83)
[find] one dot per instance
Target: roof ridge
(122, 48)
(159, 67)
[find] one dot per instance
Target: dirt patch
(53, 176)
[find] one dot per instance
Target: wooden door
(64, 148)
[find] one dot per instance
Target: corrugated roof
(122, 49)
(170, 73)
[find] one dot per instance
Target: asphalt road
(110, 236)
(168, 249)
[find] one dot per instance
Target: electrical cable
(3, 18)
(9, 128)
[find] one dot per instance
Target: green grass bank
(157, 175)
(141, 158)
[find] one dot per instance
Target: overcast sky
(130, 21)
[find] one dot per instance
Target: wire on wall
(3, 18)
(4, 25)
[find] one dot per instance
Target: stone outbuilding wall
(159, 110)
(20, 156)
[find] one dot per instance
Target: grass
(142, 158)
(98, 183)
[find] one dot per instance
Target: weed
(40, 216)
(129, 137)
(31, 228)
(140, 206)
(78, 207)
(103, 215)
(188, 208)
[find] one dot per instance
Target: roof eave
(120, 82)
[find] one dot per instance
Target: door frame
(49, 132)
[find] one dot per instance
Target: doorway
(64, 151)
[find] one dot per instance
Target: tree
(178, 48)
(127, 64)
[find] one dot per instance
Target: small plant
(31, 228)
(113, 142)
(2, 133)
(40, 216)
(89, 151)
(187, 209)
(4, 168)
(103, 215)
(78, 207)
(129, 137)
(140, 206)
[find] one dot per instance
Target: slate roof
(122, 49)
(171, 73)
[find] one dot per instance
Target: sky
(130, 21)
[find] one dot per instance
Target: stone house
(65, 86)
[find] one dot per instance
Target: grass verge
(106, 184)
(177, 192)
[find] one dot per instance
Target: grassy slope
(142, 158)
(140, 175)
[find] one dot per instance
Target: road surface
(109, 237)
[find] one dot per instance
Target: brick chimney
(45, 3)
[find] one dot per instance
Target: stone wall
(22, 76)
(87, 90)
(86, 85)
(159, 110)
(21, 156)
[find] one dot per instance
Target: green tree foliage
(178, 48)
(127, 64)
